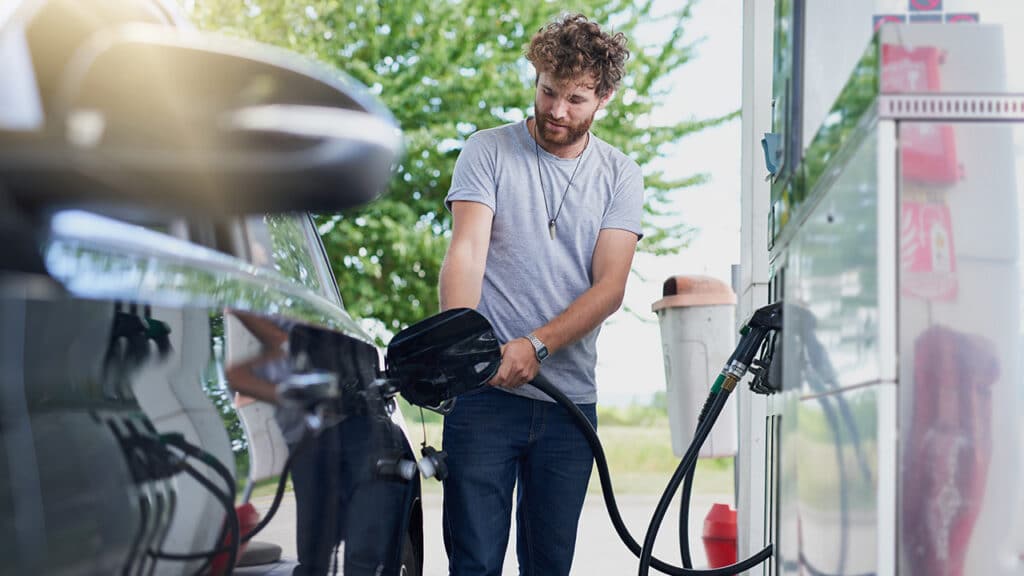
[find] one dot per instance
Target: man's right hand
(519, 364)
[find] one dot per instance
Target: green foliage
(217, 392)
(447, 68)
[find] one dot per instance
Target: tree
(446, 68)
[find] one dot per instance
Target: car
(171, 333)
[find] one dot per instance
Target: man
(545, 220)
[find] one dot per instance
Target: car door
(361, 463)
(133, 350)
(119, 440)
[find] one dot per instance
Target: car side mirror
(146, 116)
(437, 359)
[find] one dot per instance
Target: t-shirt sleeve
(474, 177)
(627, 205)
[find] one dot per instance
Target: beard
(573, 134)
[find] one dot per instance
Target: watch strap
(539, 349)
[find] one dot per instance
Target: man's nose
(559, 109)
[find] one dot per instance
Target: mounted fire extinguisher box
(697, 318)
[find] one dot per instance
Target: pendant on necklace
(551, 228)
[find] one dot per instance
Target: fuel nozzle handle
(769, 317)
(750, 343)
(761, 323)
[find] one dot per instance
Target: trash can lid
(679, 291)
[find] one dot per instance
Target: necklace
(553, 220)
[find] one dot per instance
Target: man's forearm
(459, 282)
(582, 316)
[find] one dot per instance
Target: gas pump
(893, 235)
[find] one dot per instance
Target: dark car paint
(112, 333)
(138, 349)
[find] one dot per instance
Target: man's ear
(604, 101)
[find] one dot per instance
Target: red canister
(720, 536)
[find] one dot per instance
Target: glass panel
(323, 265)
(783, 72)
(830, 350)
(831, 290)
(835, 37)
(837, 33)
(838, 482)
(961, 505)
(928, 59)
(280, 242)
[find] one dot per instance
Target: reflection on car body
(171, 333)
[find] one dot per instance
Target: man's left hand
(519, 364)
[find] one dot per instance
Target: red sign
(927, 257)
(963, 17)
(928, 151)
(910, 71)
(925, 5)
(880, 19)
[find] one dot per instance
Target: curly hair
(575, 46)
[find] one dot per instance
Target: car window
(323, 263)
(282, 242)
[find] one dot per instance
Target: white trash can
(698, 333)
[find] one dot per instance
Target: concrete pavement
(598, 550)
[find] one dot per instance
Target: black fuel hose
(686, 466)
(684, 499)
(684, 524)
(545, 386)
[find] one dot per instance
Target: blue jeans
(494, 439)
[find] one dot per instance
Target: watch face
(539, 349)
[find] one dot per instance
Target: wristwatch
(539, 349)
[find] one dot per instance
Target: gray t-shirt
(529, 278)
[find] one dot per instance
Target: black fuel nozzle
(769, 317)
(767, 375)
(750, 343)
(437, 359)
(763, 322)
